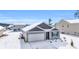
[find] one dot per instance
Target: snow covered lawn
(68, 39)
(10, 41)
(47, 44)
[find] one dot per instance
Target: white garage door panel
(36, 37)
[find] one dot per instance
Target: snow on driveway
(10, 41)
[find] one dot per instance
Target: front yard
(69, 39)
(11, 41)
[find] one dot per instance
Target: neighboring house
(39, 31)
(4, 25)
(68, 26)
(2, 29)
(17, 26)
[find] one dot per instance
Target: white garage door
(36, 37)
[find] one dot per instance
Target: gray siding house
(40, 31)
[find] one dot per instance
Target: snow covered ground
(64, 43)
(68, 39)
(48, 44)
(11, 41)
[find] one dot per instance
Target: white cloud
(27, 21)
(5, 19)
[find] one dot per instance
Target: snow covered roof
(1, 27)
(73, 21)
(10, 26)
(31, 26)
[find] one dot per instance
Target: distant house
(4, 25)
(17, 26)
(40, 31)
(68, 26)
(2, 29)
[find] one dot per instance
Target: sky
(34, 16)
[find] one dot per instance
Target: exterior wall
(73, 29)
(34, 36)
(68, 28)
(62, 26)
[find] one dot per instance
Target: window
(52, 33)
(57, 33)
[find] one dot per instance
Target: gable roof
(40, 25)
(72, 21)
(31, 27)
(36, 29)
(44, 26)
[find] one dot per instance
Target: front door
(47, 36)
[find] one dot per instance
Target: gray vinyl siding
(36, 29)
(44, 26)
